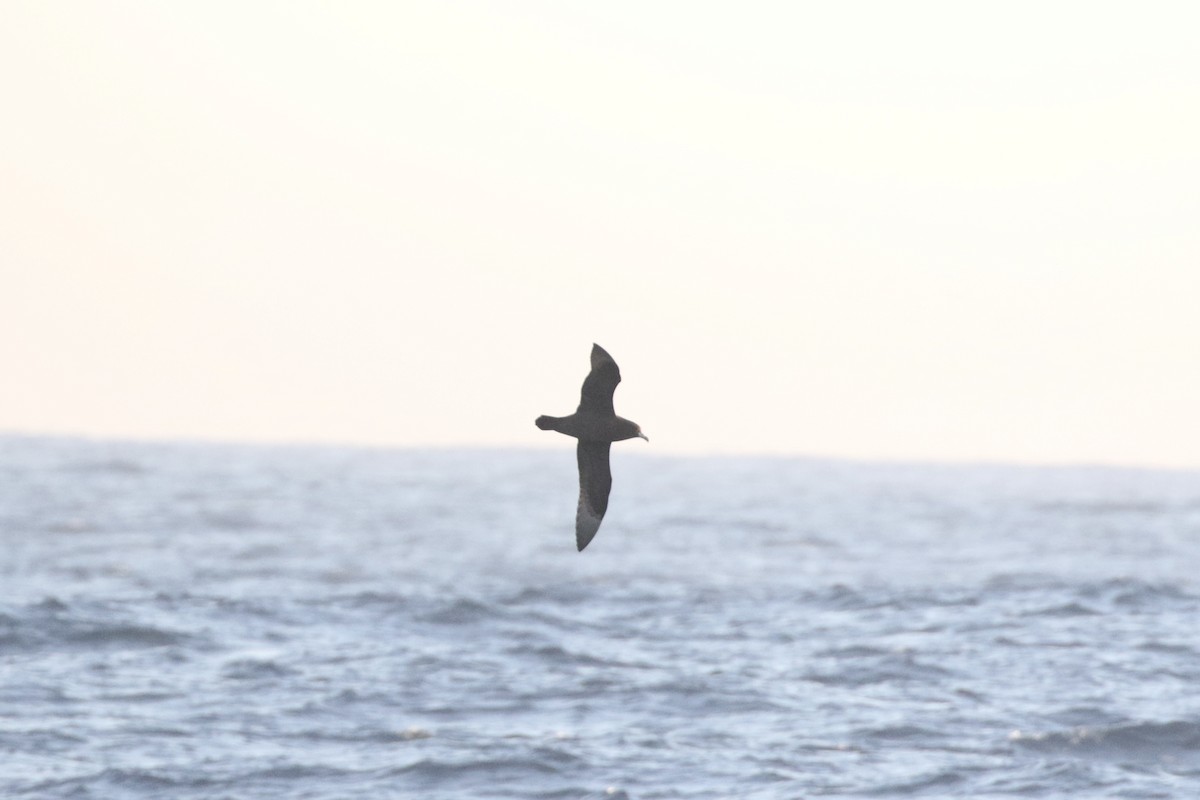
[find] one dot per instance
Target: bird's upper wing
(601, 382)
(595, 481)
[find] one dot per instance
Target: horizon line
(332, 444)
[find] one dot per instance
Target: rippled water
(193, 621)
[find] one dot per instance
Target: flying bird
(596, 426)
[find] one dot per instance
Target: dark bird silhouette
(596, 426)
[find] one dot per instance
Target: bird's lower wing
(595, 481)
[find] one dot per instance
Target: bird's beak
(643, 436)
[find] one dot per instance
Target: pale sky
(873, 230)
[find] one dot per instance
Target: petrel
(596, 426)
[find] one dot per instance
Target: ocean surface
(221, 621)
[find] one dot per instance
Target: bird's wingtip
(600, 356)
(586, 525)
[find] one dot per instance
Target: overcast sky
(877, 230)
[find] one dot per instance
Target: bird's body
(590, 427)
(596, 426)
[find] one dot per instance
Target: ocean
(234, 621)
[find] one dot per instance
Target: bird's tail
(545, 423)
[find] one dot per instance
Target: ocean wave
(39, 741)
(429, 769)
(845, 598)
(412, 733)
(900, 733)
(140, 697)
(554, 654)
(462, 612)
(709, 696)
(289, 773)
(561, 595)
(108, 466)
(1072, 609)
(51, 624)
(112, 779)
(896, 668)
(1020, 582)
(1040, 643)
(344, 700)
(71, 525)
(937, 782)
(229, 519)
(854, 651)
(369, 599)
(1107, 507)
(1137, 594)
(1169, 648)
(122, 636)
(1126, 741)
(368, 734)
(580, 793)
(247, 669)
(29, 638)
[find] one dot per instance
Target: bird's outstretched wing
(599, 385)
(595, 481)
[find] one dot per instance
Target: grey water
(229, 621)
